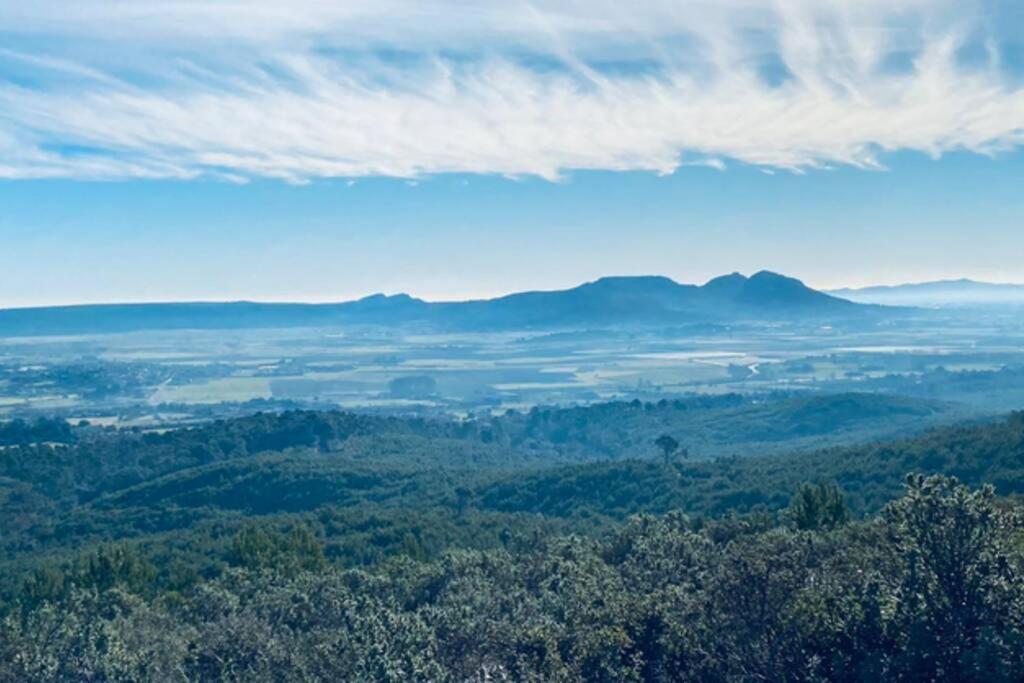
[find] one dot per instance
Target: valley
(158, 379)
(143, 471)
(167, 377)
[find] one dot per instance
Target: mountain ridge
(962, 291)
(611, 300)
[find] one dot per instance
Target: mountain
(642, 300)
(940, 293)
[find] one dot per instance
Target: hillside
(305, 483)
(95, 461)
(112, 484)
(308, 540)
(608, 301)
(715, 426)
(940, 293)
(871, 475)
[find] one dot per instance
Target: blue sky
(190, 149)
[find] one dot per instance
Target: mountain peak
(387, 302)
(632, 281)
(771, 276)
(379, 296)
(725, 284)
(766, 288)
(731, 277)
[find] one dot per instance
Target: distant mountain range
(941, 293)
(607, 301)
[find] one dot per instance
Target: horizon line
(347, 299)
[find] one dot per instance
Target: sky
(160, 150)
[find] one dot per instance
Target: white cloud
(230, 89)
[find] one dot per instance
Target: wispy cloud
(237, 90)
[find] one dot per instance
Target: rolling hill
(113, 484)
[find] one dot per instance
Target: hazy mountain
(607, 301)
(941, 293)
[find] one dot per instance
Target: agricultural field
(157, 379)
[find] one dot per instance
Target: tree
(262, 547)
(668, 446)
(960, 588)
(817, 507)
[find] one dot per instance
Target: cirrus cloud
(190, 89)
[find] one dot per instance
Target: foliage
(712, 426)
(332, 546)
(931, 589)
(869, 475)
(820, 506)
(668, 446)
(42, 430)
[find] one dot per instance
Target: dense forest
(41, 430)
(930, 589)
(339, 546)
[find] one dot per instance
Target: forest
(928, 589)
(341, 546)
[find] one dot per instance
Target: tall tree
(668, 446)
